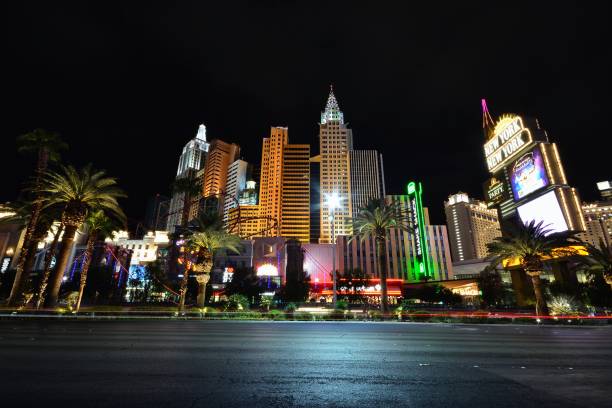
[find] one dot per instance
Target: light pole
(333, 201)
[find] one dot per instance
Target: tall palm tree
(202, 245)
(373, 222)
(79, 192)
(99, 226)
(47, 267)
(46, 145)
(531, 243)
(21, 213)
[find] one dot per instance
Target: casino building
(528, 183)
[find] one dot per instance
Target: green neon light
(422, 264)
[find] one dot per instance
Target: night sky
(127, 85)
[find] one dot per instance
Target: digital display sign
(528, 174)
(496, 190)
(509, 138)
(544, 209)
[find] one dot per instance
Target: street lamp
(333, 202)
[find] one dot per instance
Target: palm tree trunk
(202, 279)
(183, 289)
(41, 166)
(47, 272)
(88, 253)
(381, 256)
(541, 308)
(60, 266)
(25, 254)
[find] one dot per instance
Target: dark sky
(127, 85)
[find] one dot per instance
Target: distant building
(598, 220)
(315, 199)
(605, 190)
(471, 226)
(335, 142)
(249, 196)
(220, 156)
(367, 178)
(192, 159)
(284, 197)
(236, 183)
(156, 214)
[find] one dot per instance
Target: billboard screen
(545, 208)
(528, 174)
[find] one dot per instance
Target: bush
(275, 314)
(342, 305)
(291, 307)
(563, 305)
(375, 315)
(416, 316)
(237, 302)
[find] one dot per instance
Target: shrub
(291, 307)
(276, 314)
(375, 315)
(563, 305)
(337, 314)
(342, 305)
(237, 302)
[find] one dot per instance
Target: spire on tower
(332, 109)
(201, 135)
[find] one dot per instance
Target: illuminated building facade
(471, 226)
(285, 187)
(598, 220)
(192, 159)
(244, 221)
(366, 178)
(248, 196)
(295, 208)
(220, 155)
(270, 187)
(236, 182)
(605, 190)
(335, 142)
(420, 253)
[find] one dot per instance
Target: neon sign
(509, 138)
(421, 264)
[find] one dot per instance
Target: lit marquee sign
(421, 264)
(496, 190)
(509, 138)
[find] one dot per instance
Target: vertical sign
(421, 263)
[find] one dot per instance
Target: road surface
(163, 363)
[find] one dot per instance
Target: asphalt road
(285, 364)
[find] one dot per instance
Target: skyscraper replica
(191, 161)
(335, 142)
(220, 156)
(284, 195)
(471, 226)
(367, 178)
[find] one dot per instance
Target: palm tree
(99, 226)
(79, 192)
(202, 245)
(531, 243)
(46, 145)
(22, 212)
(373, 222)
(599, 260)
(47, 267)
